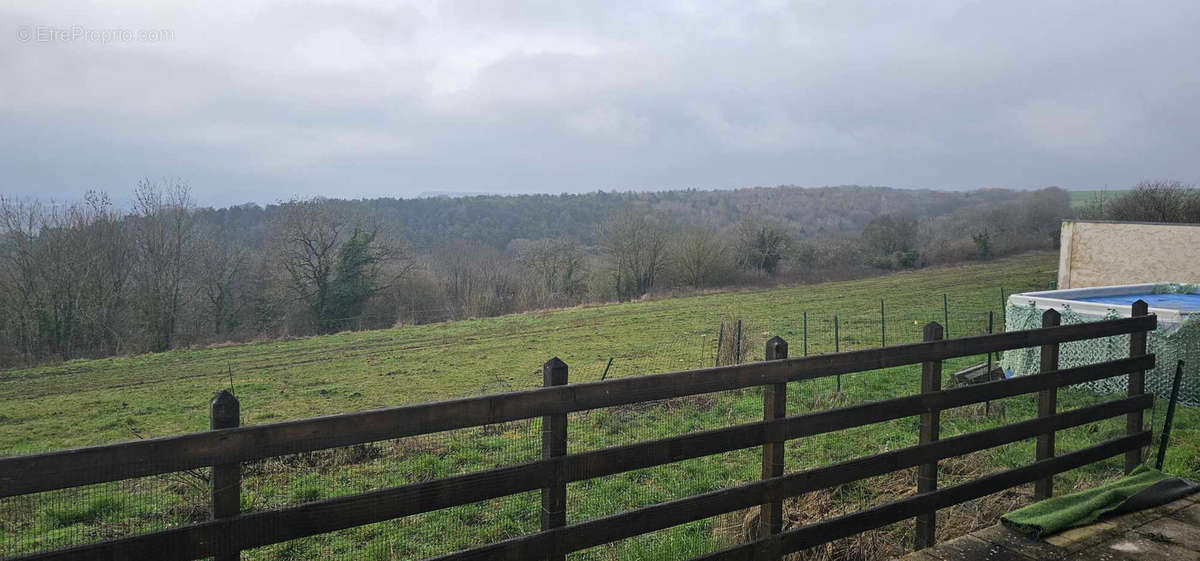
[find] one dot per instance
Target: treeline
(88, 279)
(496, 221)
(1149, 201)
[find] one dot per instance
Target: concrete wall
(1099, 253)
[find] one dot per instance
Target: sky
(262, 101)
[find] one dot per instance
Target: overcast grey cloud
(261, 101)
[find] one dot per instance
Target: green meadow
(89, 402)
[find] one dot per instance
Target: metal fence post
(737, 347)
(837, 348)
(990, 330)
(1047, 406)
(720, 342)
(987, 405)
(1137, 386)
(931, 381)
(882, 325)
(1166, 432)
(224, 412)
(554, 445)
(946, 314)
(774, 407)
(805, 333)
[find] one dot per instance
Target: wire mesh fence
(300, 478)
(92, 513)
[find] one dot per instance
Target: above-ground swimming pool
(1176, 338)
(1173, 303)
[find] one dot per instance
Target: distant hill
(496, 220)
(450, 194)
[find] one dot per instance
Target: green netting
(1170, 343)
(1177, 288)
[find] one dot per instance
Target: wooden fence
(226, 446)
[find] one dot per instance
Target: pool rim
(1060, 299)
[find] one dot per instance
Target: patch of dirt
(704, 402)
(995, 409)
(890, 541)
(319, 460)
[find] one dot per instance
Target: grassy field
(100, 401)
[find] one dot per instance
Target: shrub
(983, 244)
(908, 259)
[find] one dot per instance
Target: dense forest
(88, 279)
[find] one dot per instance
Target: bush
(983, 244)
(1156, 201)
(908, 259)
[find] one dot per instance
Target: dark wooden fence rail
(229, 531)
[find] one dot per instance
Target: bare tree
(220, 280)
(635, 246)
(162, 233)
(476, 279)
(700, 258)
(64, 277)
(888, 234)
(1157, 201)
(307, 239)
(760, 247)
(555, 269)
(270, 295)
(23, 273)
(109, 259)
(334, 268)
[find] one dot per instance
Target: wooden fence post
(1047, 407)
(554, 445)
(224, 412)
(774, 407)
(931, 381)
(1137, 386)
